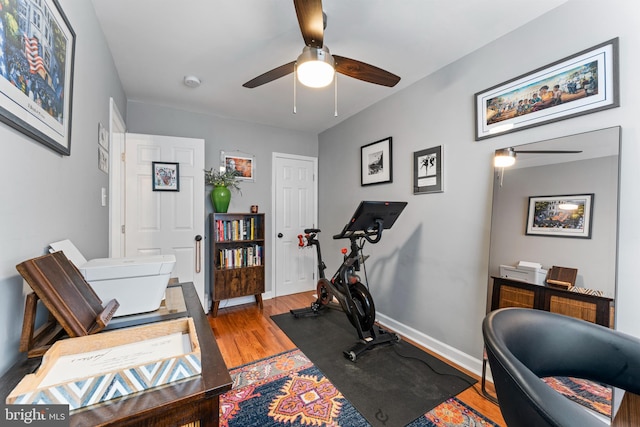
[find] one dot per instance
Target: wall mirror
(593, 171)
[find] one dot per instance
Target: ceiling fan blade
(365, 72)
(272, 75)
(549, 151)
(311, 22)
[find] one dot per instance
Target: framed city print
(582, 83)
(36, 72)
(560, 216)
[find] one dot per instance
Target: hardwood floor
(246, 334)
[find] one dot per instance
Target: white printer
(137, 283)
(525, 271)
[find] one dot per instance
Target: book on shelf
(236, 229)
(247, 256)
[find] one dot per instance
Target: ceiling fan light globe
(503, 161)
(315, 67)
(315, 74)
(504, 158)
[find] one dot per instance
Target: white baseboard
(452, 354)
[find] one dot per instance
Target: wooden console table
(194, 401)
(512, 293)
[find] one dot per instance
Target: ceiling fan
(506, 157)
(316, 60)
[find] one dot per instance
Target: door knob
(280, 235)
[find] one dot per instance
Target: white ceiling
(155, 43)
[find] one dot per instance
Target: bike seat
(311, 230)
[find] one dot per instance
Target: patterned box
(116, 377)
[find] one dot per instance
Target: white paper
(533, 265)
(93, 363)
(427, 182)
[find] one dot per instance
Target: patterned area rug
(594, 396)
(390, 385)
(288, 390)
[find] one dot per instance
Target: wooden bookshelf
(237, 251)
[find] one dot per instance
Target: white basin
(137, 283)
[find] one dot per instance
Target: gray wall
(429, 273)
(221, 134)
(47, 197)
(595, 257)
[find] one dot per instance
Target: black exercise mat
(387, 388)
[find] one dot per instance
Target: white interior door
(295, 208)
(167, 222)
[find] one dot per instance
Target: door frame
(116, 182)
(274, 172)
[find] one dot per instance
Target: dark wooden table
(190, 401)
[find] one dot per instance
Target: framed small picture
(428, 171)
(560, 216)
(166, 176)
(243, 164)
(375, 162)
(103, 159)
(103, 137)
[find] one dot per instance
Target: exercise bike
(354, 298)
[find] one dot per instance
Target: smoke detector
(191, 81)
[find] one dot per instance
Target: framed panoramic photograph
(166, 176)
(560, 216)
(36, 72)
(375, 162)
(243, 164)
(579, 84)
(428, 171)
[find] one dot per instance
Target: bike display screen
(369, 212)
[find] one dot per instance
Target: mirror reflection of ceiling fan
(506, 157)
(316, 66)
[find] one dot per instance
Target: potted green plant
(223, 182)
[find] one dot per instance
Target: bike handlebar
(377, 233)
(372, 234)
(309, 238)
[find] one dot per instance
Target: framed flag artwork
(36, 72)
